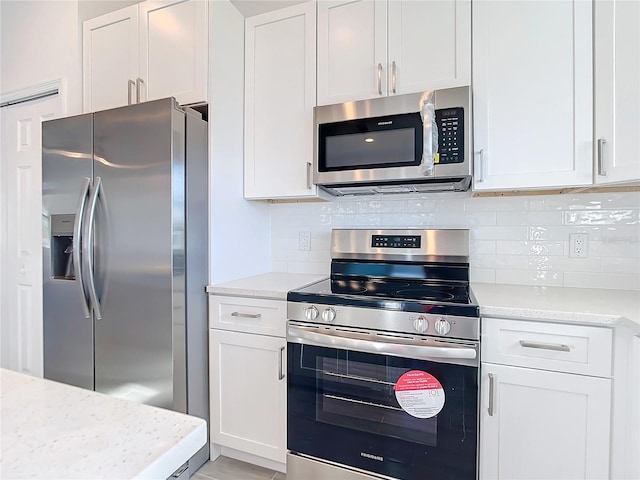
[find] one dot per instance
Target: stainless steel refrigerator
(125, 253)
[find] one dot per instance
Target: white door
(173, 50)
(617, 91)
(352, 50)
(21, 233)
(429, 45)
(543, 425)
(110, 59)
(532, 99)
(280, 93)
(243, 366)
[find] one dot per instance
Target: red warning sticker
(420, 394)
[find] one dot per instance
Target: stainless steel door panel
(67, 148)
(138, 235)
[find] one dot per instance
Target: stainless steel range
(383, 361)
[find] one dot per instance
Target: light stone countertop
(560, 304)
(267, 285)
(52, 430)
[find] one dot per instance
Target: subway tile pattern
(516, 240)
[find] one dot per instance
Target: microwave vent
(451, 184)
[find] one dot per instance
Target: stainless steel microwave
(375, 146)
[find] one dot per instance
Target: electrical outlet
(304, 241)
(578, 245)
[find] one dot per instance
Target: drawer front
(249, 315)
(547, 346)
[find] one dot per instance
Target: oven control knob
(311, 313)
(442, 326)
(329, 315)
(421, 324)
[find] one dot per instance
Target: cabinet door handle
(139, 82)
(480, 169)
(246, 315)
(393, 76)
(379, 79)
(280, 365)
(601, 171)
(130, 84)
(558, 347)
(309, 186)
(491, 394)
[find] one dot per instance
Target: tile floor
(224, 468)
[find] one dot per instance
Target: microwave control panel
(450, 135)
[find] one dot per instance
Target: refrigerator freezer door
(139, 251)
(67, 148)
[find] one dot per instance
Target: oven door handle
(445, 351)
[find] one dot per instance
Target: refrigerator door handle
(76, 245)
(88, 243)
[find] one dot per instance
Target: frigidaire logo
(386, 123)
(372, 457)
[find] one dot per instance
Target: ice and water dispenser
(62, 247)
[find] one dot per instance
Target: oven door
(356, 399)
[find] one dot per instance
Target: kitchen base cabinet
(248, 393)
(546, 400)
(543, 425)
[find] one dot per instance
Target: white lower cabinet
(537, 421)
(248, 393)
(543, 425)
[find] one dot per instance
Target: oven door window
(342, 407)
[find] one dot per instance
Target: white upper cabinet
(110, 59)
(151, 50)
(173, 50)
(617, 91)
(429, 45)
(373, 48)
(280, 95)
(532, 98)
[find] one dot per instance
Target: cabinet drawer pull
(480, 169)
(379, 79)
(558, 347)
(130, 84)
(491, 394)
(601, 170)
(393, 76)
(280, 366)
(139, 83)
(246, 315)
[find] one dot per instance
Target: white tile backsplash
(519, 240)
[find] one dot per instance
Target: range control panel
(396, 241)
(450, 135)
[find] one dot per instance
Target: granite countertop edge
(584, 306)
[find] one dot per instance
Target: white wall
(519, 240)
(240, 230)
(40, 41)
